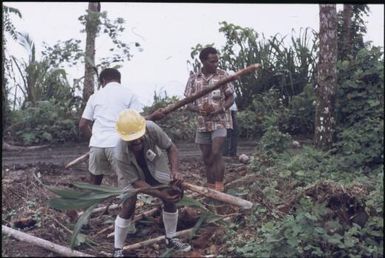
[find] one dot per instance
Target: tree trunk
(327, 77)
(91, 30)
(347, 31)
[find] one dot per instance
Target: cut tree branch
(219, 196)
(62, 250)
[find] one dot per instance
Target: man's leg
(96, 179)
(170, 221)
(207, 160)
(217, 164)
(122, 224)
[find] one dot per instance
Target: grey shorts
(101, 161)
(207, 137)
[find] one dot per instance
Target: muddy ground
(24, 203)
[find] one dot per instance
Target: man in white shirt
(100, 114)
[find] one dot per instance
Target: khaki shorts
(101, 161)
(207, 137)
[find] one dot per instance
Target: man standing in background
(231, 142)
(213, 115)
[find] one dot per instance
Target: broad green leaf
(186, 201)
(96, 196)
(100, 188)
(67, 193)
(69, 204)
(83, 219)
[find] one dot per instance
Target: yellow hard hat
(130, 125)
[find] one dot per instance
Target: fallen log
(227, 198)
(62, 250)
(190, 99)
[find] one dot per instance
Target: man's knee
(96, 179)
(128, 208)
(169, 206)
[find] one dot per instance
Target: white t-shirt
(103, 107)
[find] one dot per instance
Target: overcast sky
(167, 32)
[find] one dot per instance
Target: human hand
(172, 194)
(176, 178)
(206, 109)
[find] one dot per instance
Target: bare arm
(155, 192)
(172, 154)
(85, 127)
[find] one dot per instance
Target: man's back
(103, 108)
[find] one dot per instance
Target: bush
(47, 122)
(180, 125)
(360, 109)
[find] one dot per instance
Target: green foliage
(249, 123)
(357, 32)
(274, 141)
(180, 125)
(285, 69)
(47, 122)
(121, 51)
(315, 225)
(67, 52)
(360, 109)
(7, 23)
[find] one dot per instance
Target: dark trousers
(231, 141)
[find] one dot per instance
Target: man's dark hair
(206, 51)
(109, 74)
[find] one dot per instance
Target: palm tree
(39, 80)
(327, 77)
(8, 28)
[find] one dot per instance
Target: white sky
(167, 32)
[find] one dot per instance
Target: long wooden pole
(62, 250)
(219, 196)
(190, 99)
(217, 85)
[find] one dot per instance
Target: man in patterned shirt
(213, 115)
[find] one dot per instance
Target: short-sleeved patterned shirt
(198, 82)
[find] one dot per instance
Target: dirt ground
(25, 203)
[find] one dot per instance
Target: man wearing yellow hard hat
(141, 159)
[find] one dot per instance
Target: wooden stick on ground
(136, 218)
(62, 250)
(157, 239)
(77, 160)
(219, 196)
(191, 98)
